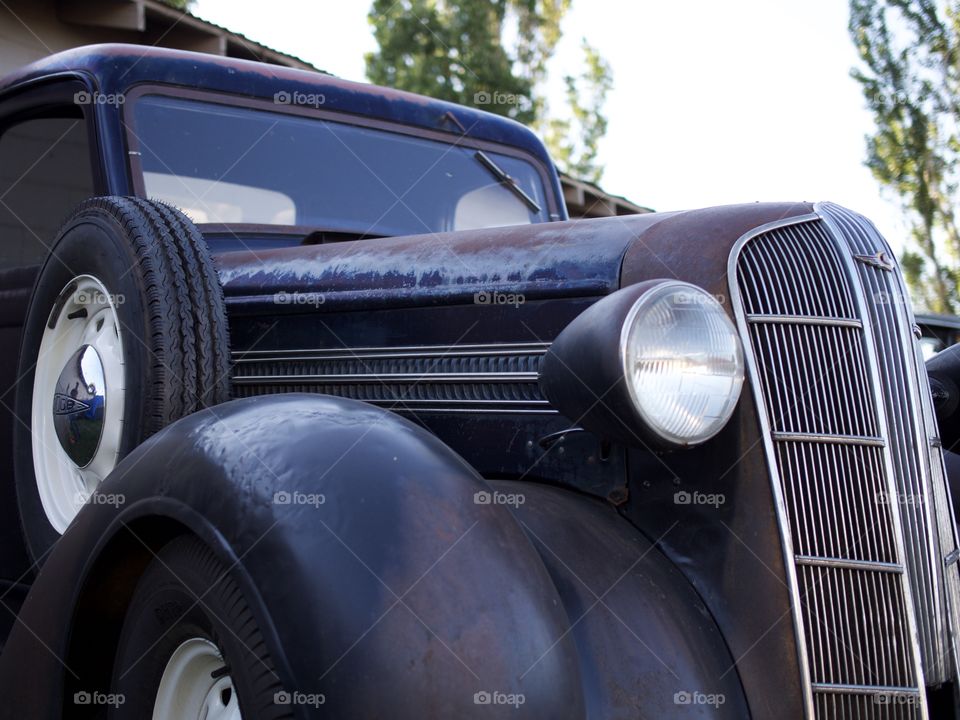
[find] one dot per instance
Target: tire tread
(189, 338)
(189, 562)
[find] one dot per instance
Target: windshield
(226, 164)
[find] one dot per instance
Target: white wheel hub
(193, 687)
(76, 423)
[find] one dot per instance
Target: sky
(713, 102)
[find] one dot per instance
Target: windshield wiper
(506, 180)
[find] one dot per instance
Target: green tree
(574, 140)
(492, 54)
(910, 53)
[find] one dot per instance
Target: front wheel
(190, 648)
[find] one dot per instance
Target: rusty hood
(578, 258)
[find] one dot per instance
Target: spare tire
(126, 332)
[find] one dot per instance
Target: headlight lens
(683, 362)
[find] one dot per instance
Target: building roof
(167, 26)
(586, 200)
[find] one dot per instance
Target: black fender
(648, 646)
(377, 574)
(395, 590)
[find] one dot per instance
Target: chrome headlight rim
(651, 296)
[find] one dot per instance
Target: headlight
(657, 363)
(682, 361)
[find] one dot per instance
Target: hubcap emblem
(79, 402)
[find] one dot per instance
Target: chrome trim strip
(478, 403)
(388, 352)
(872, 690)
(502, 407)
(803, 320)
(736, 301)
(472, 411)
(386, 378)
(400, 401)
(848, 564)
(861, 440)
(399, 407)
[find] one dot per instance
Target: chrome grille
(468, 378)
(829, 370)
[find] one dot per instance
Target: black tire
(186, 592)
(173, 327)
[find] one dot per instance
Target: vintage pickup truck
(315, 404)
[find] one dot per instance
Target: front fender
(376, 575)
(648, 646)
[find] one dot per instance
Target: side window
(44, 172)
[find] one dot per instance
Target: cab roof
(116, 68)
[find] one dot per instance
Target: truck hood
(577, 258)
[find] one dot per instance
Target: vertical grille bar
(838, 447)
